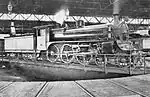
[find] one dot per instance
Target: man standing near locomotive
(13, 30)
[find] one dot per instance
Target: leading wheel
(138, 61)
(99, 60)
(52, 53)
(66, 53)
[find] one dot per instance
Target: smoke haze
(118, 5)
(61, 15)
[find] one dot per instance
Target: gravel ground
(10, 74)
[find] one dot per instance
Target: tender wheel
(52, 53)
(12, 55)
(24, 56)
(67, 53)
(84, 59)
(30, 56)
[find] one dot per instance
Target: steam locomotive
(83, 44)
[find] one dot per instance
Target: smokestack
(119, 26)
(116, 11)
(117, 5)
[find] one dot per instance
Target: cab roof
(43, 26)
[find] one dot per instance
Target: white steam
(61, 15)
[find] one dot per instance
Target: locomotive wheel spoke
(67, 53)
(30, 57)
(52, 53)
(84, 59)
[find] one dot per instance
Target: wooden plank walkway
(135, 86)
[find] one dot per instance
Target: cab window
(41, 32)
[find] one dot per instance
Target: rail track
(84, 89)
(129, 89)
(5, 86)
(41, 90)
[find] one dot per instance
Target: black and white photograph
(74, 48)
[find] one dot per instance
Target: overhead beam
(94, 19)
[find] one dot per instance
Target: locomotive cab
(42, 34)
